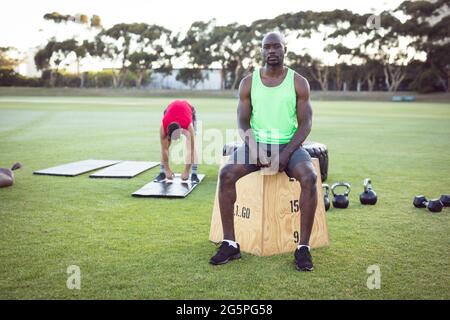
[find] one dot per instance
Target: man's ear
(285, 49)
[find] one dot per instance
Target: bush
(130, 80)
(427, 82)
(102, 79)
(67, 80)
(9, 78)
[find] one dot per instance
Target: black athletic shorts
(242, 156)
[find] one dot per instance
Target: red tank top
(178, 111)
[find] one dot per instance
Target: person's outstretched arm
(165, 144)
(191, 154)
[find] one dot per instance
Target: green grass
(136, 248)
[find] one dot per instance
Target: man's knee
(228, 175)
(306, 175)
(309, 180)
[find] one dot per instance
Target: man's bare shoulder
(245, 85)
(247, 80)
(300, 80)
(301, 84)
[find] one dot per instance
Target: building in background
(211, 81)
(27, 67)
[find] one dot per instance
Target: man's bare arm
(244, 111)
(165, 143)
(304, 114)
(191, 154)
(244, 116)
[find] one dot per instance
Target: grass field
(133, 248)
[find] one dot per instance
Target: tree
(439, 60)
(310, 68)
(6, 62)
(151, 52)
(93, 22)
(244, 48)
(42, 61)
(393, 75)
(334, 27)
(343, 53)
(81, 51)
(114, 43)
(135, 46)
(387, 56)
(231, 46)
(190, 77)
(73, 45)
(197, 43)
(429, 22)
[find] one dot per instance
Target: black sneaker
(226, 253)
(160, 177)
(303, 259)
(194, 178)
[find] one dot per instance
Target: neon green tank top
(274, 114)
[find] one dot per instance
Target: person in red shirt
(179, 118)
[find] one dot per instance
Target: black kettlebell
(368, 196)
(340, 200)
(326, 199)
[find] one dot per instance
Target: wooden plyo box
(267, 214)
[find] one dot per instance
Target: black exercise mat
(164, 189)
(125, 169)
(76, 168)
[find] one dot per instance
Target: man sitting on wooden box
(274, 119)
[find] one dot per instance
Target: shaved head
(274, 37)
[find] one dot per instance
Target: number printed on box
(243, 213)
(296, 237)
(295, 206)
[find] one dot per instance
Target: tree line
(406, 48)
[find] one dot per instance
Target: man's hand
(283, 160)
(259, 157)
(263, 160)
(279, 161)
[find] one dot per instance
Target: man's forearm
(165, 158)
(297, 140)
(187, 168)
(189, 160)
(191, 155)
(246, 133)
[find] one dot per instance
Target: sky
(24, 18)
(27, 30)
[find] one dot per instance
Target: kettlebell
(340, 200)
(326, 199)
(368, 196)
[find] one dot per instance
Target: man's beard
(274, 61)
